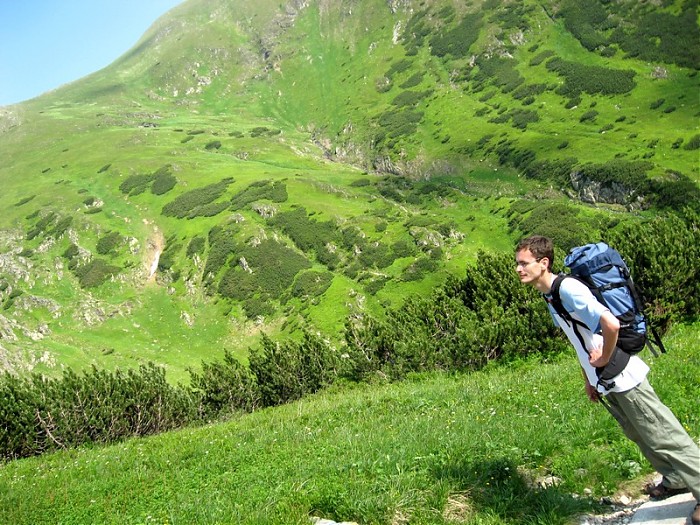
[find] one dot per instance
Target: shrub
(457, 41)
(135, 184)
(410, 98)
(693, 143)
(188, 203)
(222, 246)
(307, 234)
(94, 273)
(163, 181)
(61, 227)
(274, 267)
(267, 190)
(463, 325)
(413, 80)
(108, 243)
(591, 79)
(588, 116)
(224, 387)
(41, 414)
(666, 247)
(287, 371)
(41, 225)
(312, 283)
(196, 246)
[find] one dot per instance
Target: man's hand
(592, 393)
(597, 358)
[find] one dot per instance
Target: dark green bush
(196, 246)
(591, 79)
(42, 225)
(222, 246)
(163, 181)
(418, 269)
(224, 387)
(398, 67)
(262, 190)
(583, 19)
(311, 283)
(135, 184)
(499, 71)
(61, 227)
(108, 243)
(663, 254)
(410, 98)
(41, 414)
(307, 234)
(288, 371)
(541, 57)
(661, 36)
(24, 201)
(456, 42)
(588, 116)
(463, 325)
(188, 202)
(693, 143)
(274, 267)
(94, 273)
(413, 80)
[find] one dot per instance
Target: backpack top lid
(590, 258)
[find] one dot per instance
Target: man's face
(529, 268)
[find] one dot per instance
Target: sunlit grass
(436, 449)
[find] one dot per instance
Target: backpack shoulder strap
(555, 298)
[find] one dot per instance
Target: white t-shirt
(578, 300)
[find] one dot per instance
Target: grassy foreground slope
(433, 450)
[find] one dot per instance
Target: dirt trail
(154, 247)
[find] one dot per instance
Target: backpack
(603, 270)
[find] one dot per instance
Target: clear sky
(47, 43)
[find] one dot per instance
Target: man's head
(533, 261)
(539, 246)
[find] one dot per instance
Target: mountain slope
(295, 165)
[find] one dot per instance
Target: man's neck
(544, 283)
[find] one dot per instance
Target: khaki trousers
(660, 436)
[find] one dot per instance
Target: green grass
(436, 449)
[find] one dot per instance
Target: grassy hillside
(476, 448)
(257, 167)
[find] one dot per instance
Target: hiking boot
(661, 491)
(695, 516)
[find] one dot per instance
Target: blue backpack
(606, 274)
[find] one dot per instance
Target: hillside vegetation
(253, 168)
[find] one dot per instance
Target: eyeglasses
(525, 264)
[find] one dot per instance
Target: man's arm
(610, 327)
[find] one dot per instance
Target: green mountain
(257, 167)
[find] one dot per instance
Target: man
(629, 396)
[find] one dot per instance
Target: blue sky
(47, 43)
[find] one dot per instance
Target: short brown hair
(539, 246)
